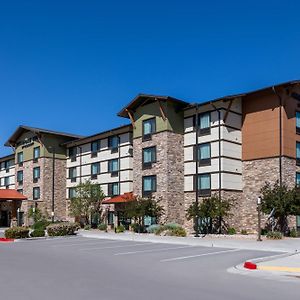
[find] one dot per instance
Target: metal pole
(259, 219)
(196, 181)
(53, 182)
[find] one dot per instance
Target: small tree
(141, 208)
(88, 200)
(212, 213)
(282, 201)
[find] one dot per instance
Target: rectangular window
(149, 127)
(298, 122)
(36, 153)
(204, 184)
(36, 193)
(110, 218)
(6, 181)
(113, 143)
(149, 156)
(95, 147)
(204, 123)
(298, 153)
(72, 174)
(73, 153)
(20, 177)
(204, 154)
(20, 158)
(113, 189)
(298, 179)
(113, 167)
(149, 185)
(72, 193)
(95, 170)
(36, 174)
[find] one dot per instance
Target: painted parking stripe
(83, 243)
(153, 250)
(199, 255)
(113, 247)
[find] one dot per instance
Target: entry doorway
(4, 218)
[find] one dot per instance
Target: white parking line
(152, 250)
(83, 243)
(199, 255)
(112, 247)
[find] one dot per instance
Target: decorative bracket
(162, 112)
(130, 117)
(227, 111)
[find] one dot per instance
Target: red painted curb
(249, 265)
(5, 240)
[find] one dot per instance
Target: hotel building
(227, 147)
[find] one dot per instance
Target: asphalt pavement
(87, 268)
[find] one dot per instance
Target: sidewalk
(289, 245)
(289, 265)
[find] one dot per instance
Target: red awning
(127, 197)
(8, 194)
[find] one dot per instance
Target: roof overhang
(21, 129)
(9, 194)
(143, 99)
(124, 198)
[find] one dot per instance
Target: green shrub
(120, 229)
(102, 227)
(153, 228)
(17, 232)
(231, 231)
(138, 228)
(293, 233)
(171, 229)
(62, 229)
(264, 231)
(274, 235)
(41, 225)
(37, 233)
(244, 232)
(179, 231)
(87, 227)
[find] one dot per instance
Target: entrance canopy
(127, 197)
(8, 194)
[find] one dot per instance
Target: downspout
(220, 162)
(280, 136)
(197, 173)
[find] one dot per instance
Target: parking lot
(87, 268)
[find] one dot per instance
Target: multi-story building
(172, 151)
(105, 159)
(7, 172)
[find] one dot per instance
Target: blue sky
(72, 65)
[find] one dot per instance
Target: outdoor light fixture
(259, 219)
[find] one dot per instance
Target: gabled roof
(100, 135)
(142, 99)
(21, 129)
(8, 194)
(229, 97)
(7, 157)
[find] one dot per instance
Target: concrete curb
(253, 264)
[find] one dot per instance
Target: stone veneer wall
(255, 174)
(45, 184)
(168, 169)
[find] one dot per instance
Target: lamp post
(259, 219)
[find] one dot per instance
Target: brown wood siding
(260, 127)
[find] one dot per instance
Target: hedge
(37, 233)
(62, 229)
(17, 233)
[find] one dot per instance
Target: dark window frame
(114, 149)
(95, 176)
(36, 188)
(20, 181)
(94, 153)
(297, 158)
(148, 165)
(297, 128)
(110, 189)
(35, 159)
(69, 192)
(72, 152)
(20, 162)
(73, 178)
(207, 130)
(206, 161)
(203, 192)
(148, 136)
(153, 186)
(36, 179)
